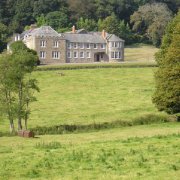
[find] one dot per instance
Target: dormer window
(43, 43)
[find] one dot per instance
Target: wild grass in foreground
(129, 157)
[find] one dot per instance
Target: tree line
(131, 19)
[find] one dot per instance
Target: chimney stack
(104, 34)
(73, 29)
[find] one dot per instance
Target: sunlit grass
(141, 152)
(140, 52)
(91, 96)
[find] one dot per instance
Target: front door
(97, 58)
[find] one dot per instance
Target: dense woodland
(133, 20)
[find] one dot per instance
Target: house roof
(42, 31)
(84, 38)
(114, 38)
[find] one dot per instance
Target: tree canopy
(167, 93)
(62, 14)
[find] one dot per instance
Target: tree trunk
(20, 106)
(12, 129)
(19, 124)
(25, 122)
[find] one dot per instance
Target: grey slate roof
(84, 38)
(42, 31)
(113, 38)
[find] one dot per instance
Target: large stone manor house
(77, 46)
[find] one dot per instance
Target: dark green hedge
(94, 66)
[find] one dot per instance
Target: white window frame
(55, 54)
(81, 54)
(56, 44)
(103, 46)
(95, 46)
(69, 45)
(75, 45)
(42, 43)
(42, 54)
(88, 56)
(69, 54)
(88, 45)
(76, 54)
(116, 55)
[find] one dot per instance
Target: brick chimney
(73, 29)
(104, 34)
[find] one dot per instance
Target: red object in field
(26, 133)
(21, 133)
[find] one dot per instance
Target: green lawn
(92, 96)
(140, 53)
(140, 152)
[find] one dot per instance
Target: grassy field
(140, 152)
(140, 52)
(92, 96)
(85, 97)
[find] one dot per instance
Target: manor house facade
(77, 46)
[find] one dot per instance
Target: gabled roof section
(46, 31)
(114, 38)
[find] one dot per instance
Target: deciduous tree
(167, 93)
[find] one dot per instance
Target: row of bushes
(95, 66)
(64, 129)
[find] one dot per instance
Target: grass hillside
(92, 96)
(140, 53)
(141, 152)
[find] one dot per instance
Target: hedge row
(65, 129)
(94, 66)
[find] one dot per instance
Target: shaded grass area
(142, 152)
(91, 96)
(140, 53)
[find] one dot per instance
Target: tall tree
(7, 89)
(16, 85)
(152, 19)
(167, 93)
(24, 61)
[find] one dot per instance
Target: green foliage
(57, 19)
(152, 19)
(41, 20)
(87, 24)
(167, 94)
(16, 86)
(110, 25)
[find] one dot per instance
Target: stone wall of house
(93, 54)
(50, 48)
